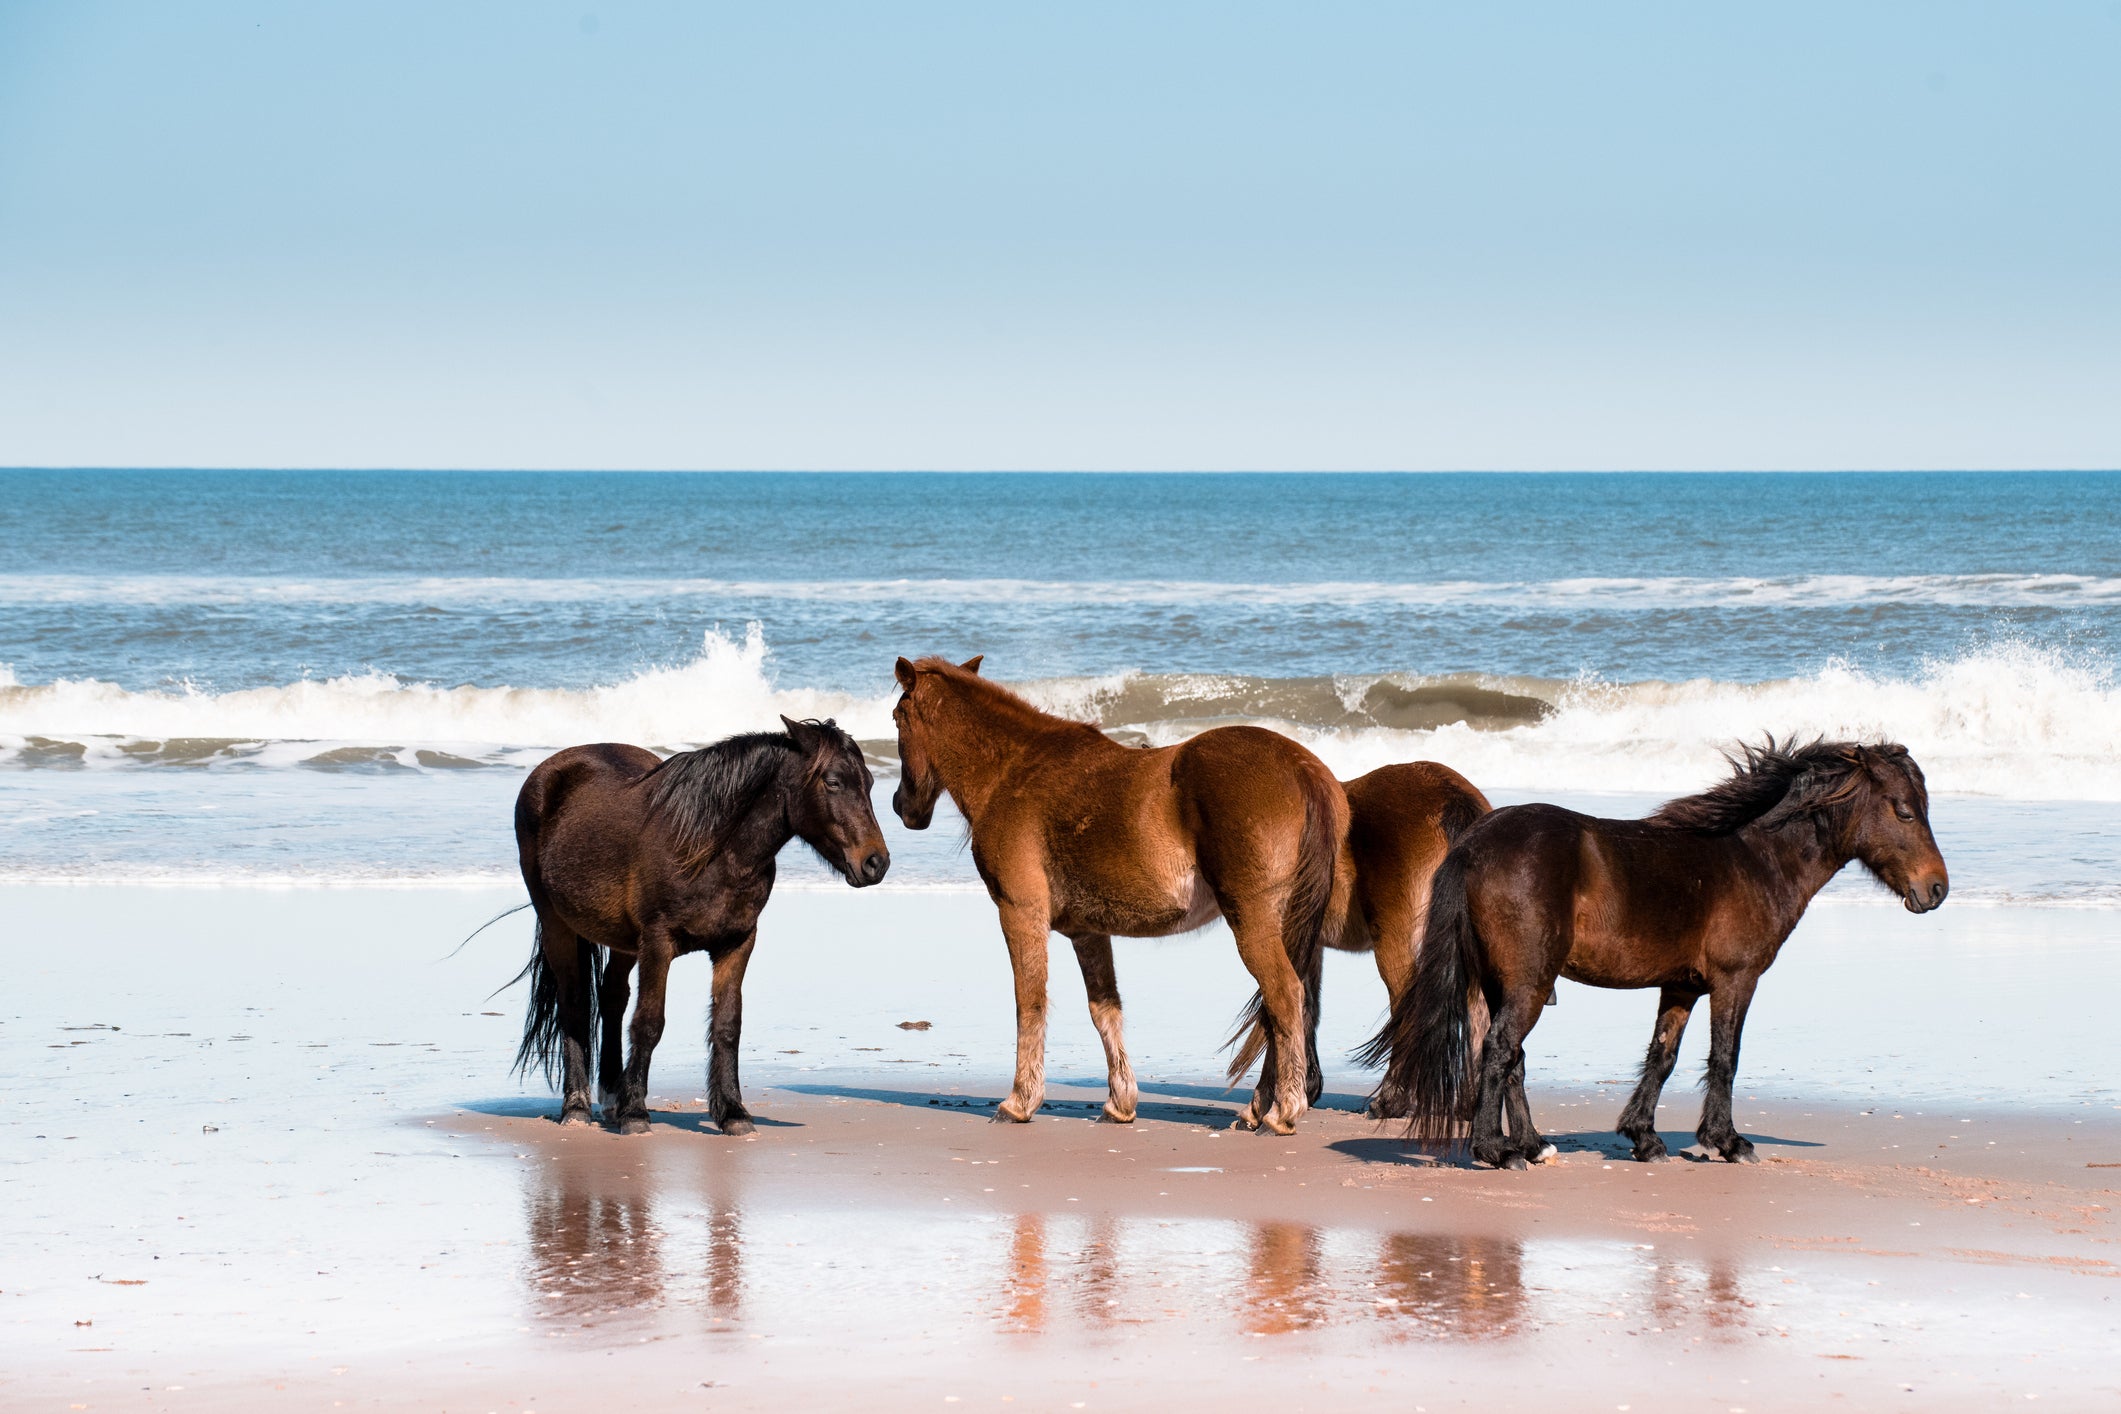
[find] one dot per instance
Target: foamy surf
(2009, 719)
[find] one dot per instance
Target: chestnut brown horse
(1076, 834)
(652, 859)
(1401, 821)
(1696, 900)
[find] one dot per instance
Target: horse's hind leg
(1396, 944)
(1525, 1137)
(1638, 1122)
(1270, 1059)
(645, 1030)
(1501, 1057)
(725, 1029)
(1094, 953)
(1281, 989)
(611, 1015)
(573, 963)
(1727, 1007)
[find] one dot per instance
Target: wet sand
(299, 1180)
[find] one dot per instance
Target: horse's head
(919, 783)
(1886, 825)
(831, 810)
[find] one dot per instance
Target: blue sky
(1081, 236)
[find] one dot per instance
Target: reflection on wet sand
(607, 1244)
(599, 1248)
(1445, 1287)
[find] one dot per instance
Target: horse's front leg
(646, 1030)
(1025, 927)
(1094, 953)
(1728, 1000)
(1638, 1122)
(612, 995)
(725, 1028)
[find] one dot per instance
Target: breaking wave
(2009, 720)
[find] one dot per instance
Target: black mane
(1776, 782)
(700, 794)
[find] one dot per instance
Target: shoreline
(265, 1142)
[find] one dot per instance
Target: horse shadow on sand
(1392, 1146)
(548, 1110)
(1200, 1106)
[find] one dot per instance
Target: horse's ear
(971, 664)
(802, 733)
(905, 674)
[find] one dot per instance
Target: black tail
(540, 1050)
(1303, 918)
(1458, 815)
(1428, 1046)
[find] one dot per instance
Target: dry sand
(297, 1184)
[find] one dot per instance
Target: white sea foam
(1999, 591)
(2007, 720)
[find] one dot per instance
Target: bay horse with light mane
(647, 859)
(1401, 820)
(1695, 900)
(1074, 833)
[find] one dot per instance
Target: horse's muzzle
(1921, 898)
(870, 871)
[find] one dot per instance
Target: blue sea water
(223, 647)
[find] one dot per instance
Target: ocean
(312, 677)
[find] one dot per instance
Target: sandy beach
(265, 1153)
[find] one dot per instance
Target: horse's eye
(832, 783)
(1903, 812)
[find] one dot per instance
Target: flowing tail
(1430, 1045)
(1304, 918)
(540, 1049)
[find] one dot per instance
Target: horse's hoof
(1650, 1150)
(1273, 1123)
(1742, 1156)
(737, 1126)
(571, 1118)
(1514, 1162)
(1115, 1116)
(1546, 1151)
(1006, 1112)
(636, 1125)
(1246, 1118)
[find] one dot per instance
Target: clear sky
(1057, 236)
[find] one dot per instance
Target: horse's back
(1403, 819)
(1233, 773)
(1626, 902)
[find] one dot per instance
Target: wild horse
(651, 859)
(1074, 833)
(1697, 899)
(1402, 818)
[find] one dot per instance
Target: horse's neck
(761, 827)
(1803, 860)
(979, 742)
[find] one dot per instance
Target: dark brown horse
(652, 859)
(1695, 900)
(1074, 833)
(1401, 821)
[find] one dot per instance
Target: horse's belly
(1178, 905)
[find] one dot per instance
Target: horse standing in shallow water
(1695, 900)
(1074, 833)
(651, 859)
(1401, 820)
